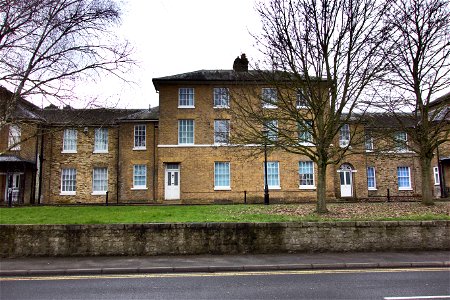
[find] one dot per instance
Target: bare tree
(321, 56)
(419, 61)
(47, 45)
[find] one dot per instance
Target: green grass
(183, 214)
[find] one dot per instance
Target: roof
(203, 76)
(14, 159)
(445, 99)
(21, 108)
(144, 114)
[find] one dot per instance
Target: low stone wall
(221, 238)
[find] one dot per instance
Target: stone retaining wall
(221, 238)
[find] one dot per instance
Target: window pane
(185, 131)
(222, 174)
(221, 97)
(101, 139)
(400, 141)
(100, 180)
(269, 97)
(273, 179)
(70, 140)
(306, 173)
(221, 131)
(272, 129)
(14, 137)
(301, 98)
(305, 129)
(403, 177)
(186, 97)
(371, 177)
(344, 135)
(68, 180)
(140, 175)
(139, 136)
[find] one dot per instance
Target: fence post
(388, 195)
(106, 198)
(245, 197)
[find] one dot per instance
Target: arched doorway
(346, 180)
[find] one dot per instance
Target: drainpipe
(118, 172)
(154, 161)
(41, 163)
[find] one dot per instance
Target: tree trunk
(321, 189)
(427, 196)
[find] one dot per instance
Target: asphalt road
(320, 284)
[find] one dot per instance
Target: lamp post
(265, 132)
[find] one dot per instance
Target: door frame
(169, 167)
(347, 168)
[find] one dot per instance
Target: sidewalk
(220, 263)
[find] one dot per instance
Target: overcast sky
(177, 36)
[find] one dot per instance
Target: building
(181, 152)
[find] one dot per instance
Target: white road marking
(417, 297)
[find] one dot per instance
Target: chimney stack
(241, 63)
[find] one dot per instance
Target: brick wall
(221, 238)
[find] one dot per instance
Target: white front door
(13, 187)
(172, 182)
(346, 183)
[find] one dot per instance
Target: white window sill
(140, 148)
(372, 189)
(186, 106)
(221, 107)
(98, 193)
(69, 151)
(274, 187)
(100, 151)
(405, 189)
(68, 193)
(307, 187)
(437, 184)
(139, 188)
(187, 144)
(221, 144)
(369, 150)
(307, 144)
(222, 188)
(270, 106)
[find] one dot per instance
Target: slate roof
(144, 114)
(22, 110)
(13, 159)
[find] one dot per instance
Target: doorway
(172, 182)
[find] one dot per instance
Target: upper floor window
(368, 142)
(401, 141)
(68, 181)
(139, 137)
(371, 180)
(404, 178)
(344, 135)
(186, 132)
(221, 175)
(269, 97)
(70, 140)
(301, 102)
(221, 98)
(14, 137)
(100, 181)
(305, 132)
(101, 140)
(139, 176)
(271, 129)
(273, 175)
(306, 174)
(186, 97)
(221, 131)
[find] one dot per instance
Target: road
(321, 284)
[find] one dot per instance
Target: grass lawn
(222, 213)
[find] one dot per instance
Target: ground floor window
(100, 180)
(371, 181)
(436, 175)
(221, 175)
(139, 176)
(68, 181)
(273, 175)
(306, 174)
(404, 178)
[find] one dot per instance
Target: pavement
(220, 263)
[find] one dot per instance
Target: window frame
(65, 182)
(374, 177)
(271, 130)
(14, 137)
(180, 132)
(218, 94)
(306, 186)
(369, 142)
(300, 99)
(105, 185)
(401, 145)
(305, 141)
(101, 137)
(185, 92)
(217, 180)
(277, 186)
(404, 188)
(67, 138)
(144, 175)
(269, 99)
(137, 130)
(221, 137)
(437, 179)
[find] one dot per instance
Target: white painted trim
(98, 193)
(139, 148)
(139, 188)
(68, 193)
(307, 187)
(186, 106)
(69, 151)
(100, 151)
(222, 188)
(274, 187)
